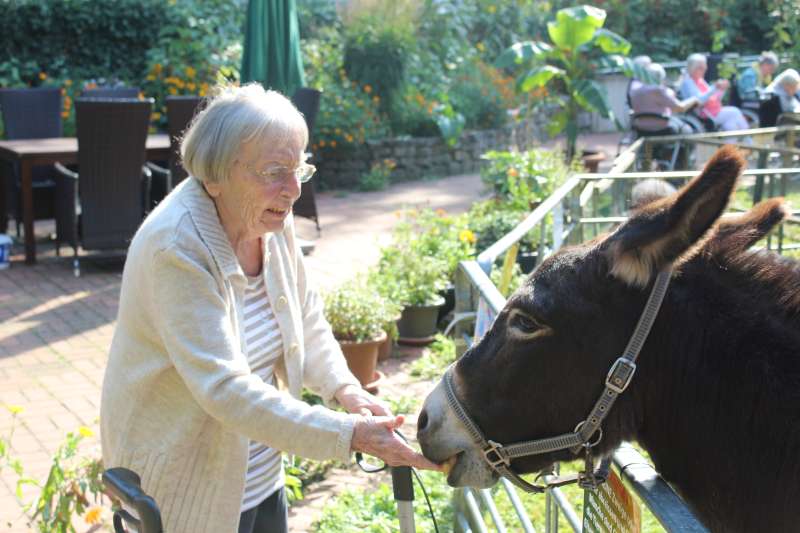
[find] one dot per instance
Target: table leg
(26, 176)
(3, 199)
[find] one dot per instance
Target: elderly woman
(219, 330)
(785, 86)
(658, 99)
(726, 118)
(757, 76)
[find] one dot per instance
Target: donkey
(715, 399)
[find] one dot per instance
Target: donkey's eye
(525, 323)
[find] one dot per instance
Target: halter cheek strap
(619, 376)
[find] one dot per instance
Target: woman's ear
(669, 230)
(213, 189)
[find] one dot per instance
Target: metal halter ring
(599, 432)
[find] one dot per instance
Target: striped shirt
(264, 347)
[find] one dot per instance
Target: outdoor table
(32, 152)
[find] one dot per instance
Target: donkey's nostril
(422, 422)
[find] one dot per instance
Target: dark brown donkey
(716, 396)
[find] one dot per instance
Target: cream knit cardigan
(179, 403)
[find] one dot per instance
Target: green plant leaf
(522, 52)
(591, 96)
(575, 26)
(557, 123)
(611, 43)
(539, 76)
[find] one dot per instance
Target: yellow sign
(611, 509)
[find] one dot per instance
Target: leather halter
(499, 456)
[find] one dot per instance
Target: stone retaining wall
(426, 157)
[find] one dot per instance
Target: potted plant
(358, 315)
(418, 280)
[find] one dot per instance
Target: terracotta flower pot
(362, 357)
(385, 349)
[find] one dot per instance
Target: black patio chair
(668, 156)
(101, 206)
(180, 112)
(306, 100)
(111, 91)
(33, 113)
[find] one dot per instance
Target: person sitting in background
(757, 76)
(635, 83)
(725, 118)
(658, 99)
(785, 87)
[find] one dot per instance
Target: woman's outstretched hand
(375, 435)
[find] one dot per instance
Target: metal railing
(585, 205)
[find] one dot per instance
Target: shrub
(348, 114)
(524, 178)
(378, 177)
(356, 313)
(378, 36)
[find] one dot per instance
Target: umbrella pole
(404, 496)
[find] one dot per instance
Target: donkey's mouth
(450, 468)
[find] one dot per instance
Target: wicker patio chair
(307, 101)
(101, 206)
(180, 112)
(33, 113)
(109, 91)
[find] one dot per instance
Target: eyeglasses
(302, 173)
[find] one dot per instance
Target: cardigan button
(294, 348)
(281, 303)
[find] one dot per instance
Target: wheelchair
(666, 156)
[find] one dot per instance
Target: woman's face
(250, 204)
(699, 70)
(767, 69)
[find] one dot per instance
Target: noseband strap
(619, 376)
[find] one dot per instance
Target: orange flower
(172, 90)
(512, 172)
(191, 86)
(322, 144)
(92, 516)
(367, 89)
(42, 76)
(376, 99)
(190, 72)
(65, 114)
(333, 144)
(156, 115)
(67, 83)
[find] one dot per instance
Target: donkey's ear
(667, 231)
(736, 234)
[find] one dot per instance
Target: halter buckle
(500, 455)
(620, 375)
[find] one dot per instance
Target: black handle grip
(125, 485)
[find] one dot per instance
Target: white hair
(656, 72)
(235, 116)
(769, 58)
(642, 61)
(788, 77)
(694, 61)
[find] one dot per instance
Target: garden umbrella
(272, 46)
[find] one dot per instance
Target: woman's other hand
(356, 400)
(375, 436)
